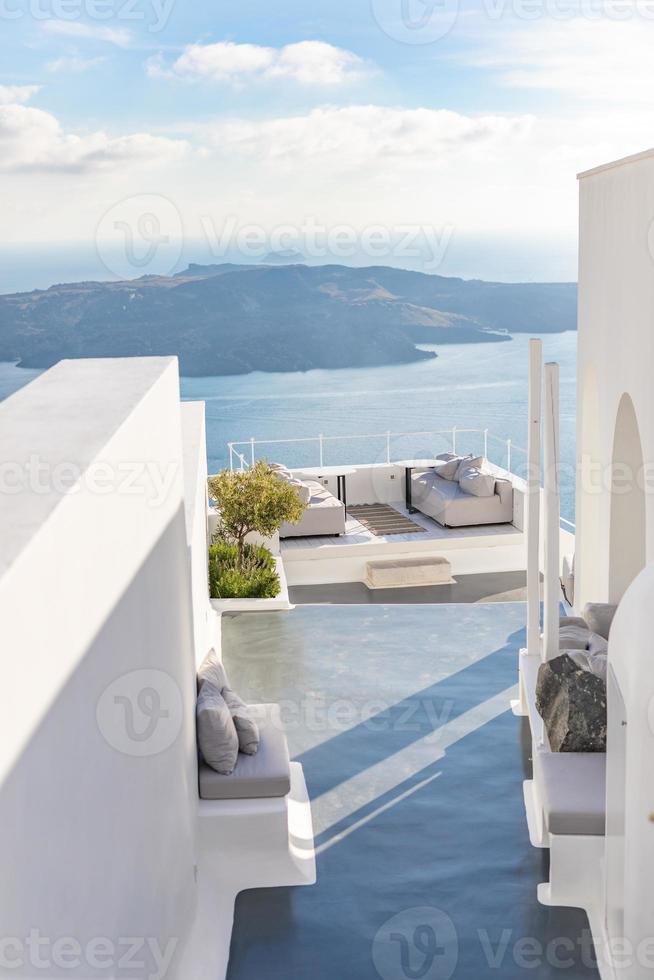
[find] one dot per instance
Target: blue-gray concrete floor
(414, 763)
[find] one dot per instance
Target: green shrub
(253, 501)
(254, 576)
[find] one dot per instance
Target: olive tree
(254, 500)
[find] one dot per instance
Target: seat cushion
(572, 787)
(325, 514)
(264, 775)
(472, 480)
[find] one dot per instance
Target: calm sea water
(469, 385)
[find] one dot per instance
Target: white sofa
(324, 515)
(451, 506)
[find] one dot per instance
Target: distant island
(230, 319)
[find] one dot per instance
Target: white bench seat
(572, 791)
(266, 775)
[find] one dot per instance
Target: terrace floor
(357, 534)
(414, 764)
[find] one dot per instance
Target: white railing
(243, 460)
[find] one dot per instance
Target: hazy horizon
(38, 266)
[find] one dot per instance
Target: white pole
(552, 514)
(533, 496)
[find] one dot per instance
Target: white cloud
(74, 64)
(17, 93)
(353, 136)
(592, 60)
(119, 36)
(307, 63)
(34, 140)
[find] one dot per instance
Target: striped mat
(380, 519)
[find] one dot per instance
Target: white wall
(98, 836)
(197, 524)
(616, 357)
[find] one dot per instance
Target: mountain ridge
(232, 319)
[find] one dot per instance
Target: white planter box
(281, 602)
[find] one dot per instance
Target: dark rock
(572, 702)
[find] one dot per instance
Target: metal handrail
(321, 439)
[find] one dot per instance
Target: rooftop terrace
(400, 716)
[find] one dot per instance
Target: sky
(138, 135)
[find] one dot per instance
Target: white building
(106, 617)
(615, 418)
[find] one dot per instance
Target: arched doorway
(628, 517)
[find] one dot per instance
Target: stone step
(403, 573)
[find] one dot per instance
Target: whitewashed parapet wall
(615, 419)
(98, 789)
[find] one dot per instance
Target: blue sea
(471, 386)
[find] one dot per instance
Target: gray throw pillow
(447, 465)
(599, 616)
(469, 462)
(597, 645)
(596, 664)
(246, 728)
(574, 637)
(211, 669)
(217, 738)
(303, 491)
(573, 621)
(475, 482)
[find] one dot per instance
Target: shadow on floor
(432, 878)
(487, 587)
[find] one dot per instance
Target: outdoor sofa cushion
(447, 465)
(264, 775)
(574, 637)
(211, 669)
(325, 514)
(599, 616)
(448, 504)
(217, 738)
(472, 480)
(572, 788)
